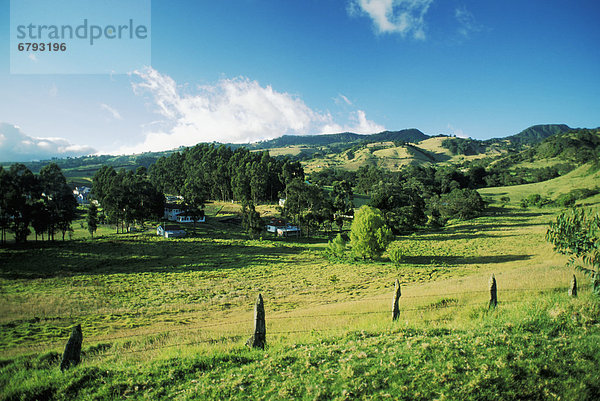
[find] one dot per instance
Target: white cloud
(457, 132)
(112, 111)
(15, 146)
(231, 111)
(405, 17)
(342, 98)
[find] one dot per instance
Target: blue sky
(245, 70)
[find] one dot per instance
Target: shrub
(395, 252)
(369, 235)
(336, 248)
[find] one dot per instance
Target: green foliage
(576, 233)
(336, 248)
(92, 219)
(535, 200)
(127, 196)
(396, 252)
(306, 205)
(251, 221)
(369, 236)
(461, 204)
(569, 199)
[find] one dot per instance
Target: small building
(82, 194)
(273, 225)
(187, 217)
(288, 231)
(169, 231)
(172, 210)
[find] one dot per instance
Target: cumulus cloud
(405, 17)
(15, 146)
(236, 110)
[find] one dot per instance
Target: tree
(92, 219)
(369, 236)
(22, 191)
(461, 204)
(343, 201)
(401, 205)
(251, 220)
(577, 233)
(59, 199)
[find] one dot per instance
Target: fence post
(72, 354)
(258, 339)
(493, 292)
(573, 288)
(396, 307)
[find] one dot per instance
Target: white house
(172, 210)
(189, 217)
(288, 231)
(282, 229)
(82, 194)
(170, 231)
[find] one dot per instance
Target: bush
(369, 235)
(336, 248)
(395, 252)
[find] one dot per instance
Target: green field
(169, 318)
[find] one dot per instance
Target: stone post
(72, 354)
(395, 307)
(573, 288)
(493, 292)
(258, 339)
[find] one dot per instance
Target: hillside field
(169, 318)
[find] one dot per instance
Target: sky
(240, 71)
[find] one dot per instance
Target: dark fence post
(258, 339)
(573, 288)
(493, 292)
(396, 307)
(72, 354)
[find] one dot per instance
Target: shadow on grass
(132, 254)
(462, 260)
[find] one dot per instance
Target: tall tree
(59, 199)
(92, 219)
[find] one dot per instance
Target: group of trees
(218, 172)
(44, 202)
(126, 197)
(419, 195)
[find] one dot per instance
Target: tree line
(126, 197)
(43, 202)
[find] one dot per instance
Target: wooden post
(573, 288)
(258, 339)
(395, 307)
(72, 354)
(493, 292)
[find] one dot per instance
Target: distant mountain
(406, 135)
(537, 133)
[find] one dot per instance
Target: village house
(172, 210)
(282, 228)
(82, 194)
(186, 217)
(170, 231)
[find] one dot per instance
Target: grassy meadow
(169, 318)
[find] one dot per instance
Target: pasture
(169, 318)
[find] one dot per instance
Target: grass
(168, 318)
(581, 177)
